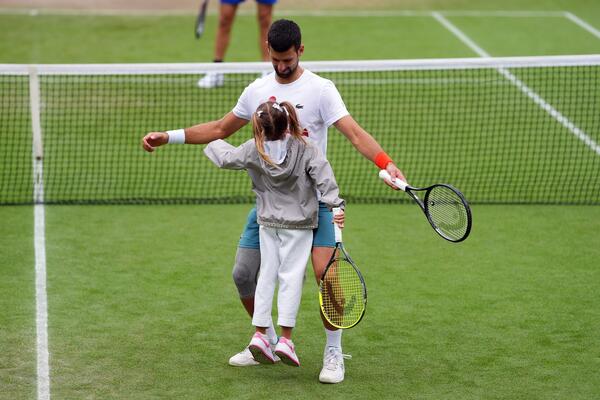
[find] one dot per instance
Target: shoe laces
(334, 357)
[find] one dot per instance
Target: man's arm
(198, 134)
(367, 146)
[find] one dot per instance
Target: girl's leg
(293, 255)
(265, 289)
(267, 280)
(286, 332)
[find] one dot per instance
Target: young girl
(286, 172)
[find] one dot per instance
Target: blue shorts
(236, 2)
(323, 236)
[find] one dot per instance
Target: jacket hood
(283, 171)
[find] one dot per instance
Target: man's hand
(153, 140)
(394, 173)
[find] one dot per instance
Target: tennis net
(503, 130)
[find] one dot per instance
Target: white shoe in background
(211, 80)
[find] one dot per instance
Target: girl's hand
(339, 219)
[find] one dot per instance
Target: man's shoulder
(261, 82)
(316, 79)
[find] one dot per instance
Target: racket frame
(423, 204)
(200, 19)
(340, 254)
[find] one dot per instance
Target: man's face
(285, 62)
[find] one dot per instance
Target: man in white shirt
(318, 105)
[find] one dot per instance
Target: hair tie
(278, 106)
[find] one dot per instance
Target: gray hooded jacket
(285, 194)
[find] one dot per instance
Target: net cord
(315, 66)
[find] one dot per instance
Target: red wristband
(382, 160)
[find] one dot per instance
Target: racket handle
(383, 174)
(336, 228)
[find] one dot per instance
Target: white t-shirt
(317, 101)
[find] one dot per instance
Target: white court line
(458, 33)
(509, 14)
(583, 24)
(537, 99)
(281, 12)
(41, 299)
(43, 370)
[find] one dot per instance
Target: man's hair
(284, 34)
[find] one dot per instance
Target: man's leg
(323, 247)
(226, 17)
(245, 273)
(264, 14)
(227, 13)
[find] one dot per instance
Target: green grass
(142, 306)
(111, 39)
(141, 300)
(89, 39)
(17, 304)
(505, 37)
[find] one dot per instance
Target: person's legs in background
(227, 13)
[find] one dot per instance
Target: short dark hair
(284, 34)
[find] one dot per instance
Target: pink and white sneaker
(260, 349)
(285, 349)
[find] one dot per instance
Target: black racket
(342, 289)
(445, 207)
(200, 19)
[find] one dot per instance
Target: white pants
(283, 257)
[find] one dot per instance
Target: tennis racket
(445, 207)
(342, 289)
(200, 19)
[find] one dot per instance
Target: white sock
(271, 334)
(334, 338)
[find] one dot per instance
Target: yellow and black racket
(342, 289)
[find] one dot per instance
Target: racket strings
(343, 294)
(448, 212)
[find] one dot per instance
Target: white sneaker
(333, 366)
(211, 80)
(261, 350)
(286, 351)
(243, 359)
